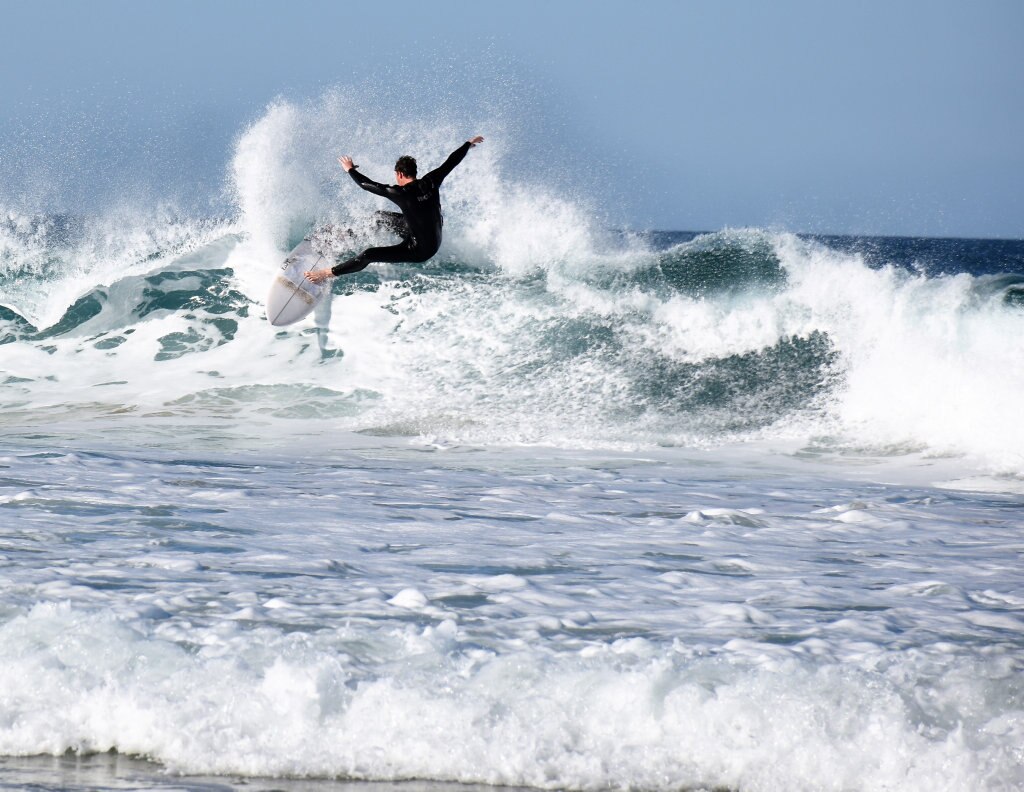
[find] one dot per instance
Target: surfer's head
(406, 166)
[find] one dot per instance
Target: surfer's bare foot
(318, 276)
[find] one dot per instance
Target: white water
(573, 621)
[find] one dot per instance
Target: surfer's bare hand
(346, 163)
(475, 140)
(318, 276)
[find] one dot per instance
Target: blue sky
(871, 117)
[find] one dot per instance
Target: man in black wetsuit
(420, 222)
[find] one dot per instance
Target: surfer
(420, 221)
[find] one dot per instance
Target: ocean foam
(396, 613)
(268, 704)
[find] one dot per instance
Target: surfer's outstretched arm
(367, 184)
(436, 176)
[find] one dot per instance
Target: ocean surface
(567, 507)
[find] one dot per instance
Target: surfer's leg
(391, 221)
(390, 255)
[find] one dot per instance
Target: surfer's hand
(475, 140)
(346, 163)
(318, 276)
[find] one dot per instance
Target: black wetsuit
(420, 222)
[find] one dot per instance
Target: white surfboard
(292, 295)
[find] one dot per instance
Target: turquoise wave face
(714, 266)
(205, 297)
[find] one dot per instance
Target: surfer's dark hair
(406, 166)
